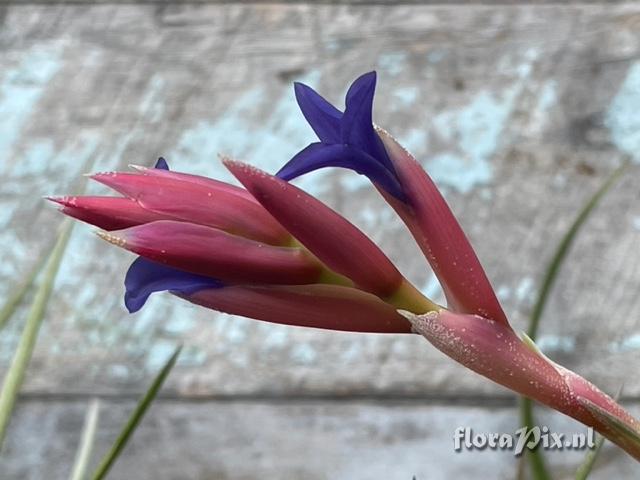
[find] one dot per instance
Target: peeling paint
(415, 140)
(151, 104)
(547, 97)
(118, 372)
(476, 130)
(178, 325)
(254, 129)
(525, 290)
(21, 88)
(192, 357)
(232, 329)
(405, 97)
(553, 343)
(503, 292)
(274, 336)
(622, 118)
(303, 353)
(626, 345)
(436, 56)
(393, 63)
(432, 289)
(158, 355)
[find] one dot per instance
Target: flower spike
(274, 253)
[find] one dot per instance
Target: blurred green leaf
(535, 458)
(15, 374)
(558, 258)
(79, 471)
(135, 418)
(14, 300)
(584, 470)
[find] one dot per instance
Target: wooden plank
(517, 112)
(309, 440)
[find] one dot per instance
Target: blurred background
(517, 111)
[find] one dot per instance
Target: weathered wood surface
(289, 440)
(518, 113)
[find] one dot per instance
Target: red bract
(108, 213)
(328, 235)
(214, 253)
(319, 306)
(205, 202)
(440, 237)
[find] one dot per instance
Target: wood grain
(292, 440)
(517, 112)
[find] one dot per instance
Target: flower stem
(408, 297)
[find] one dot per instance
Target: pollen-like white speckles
(113, 239)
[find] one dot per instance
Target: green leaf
(562, 250)
(615, 424)
(536, 461)
(584, 470)
(132, 423)
(534, 457)
(15, 375)
(79, 471)
(14, 300)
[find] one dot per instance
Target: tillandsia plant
(272, 252)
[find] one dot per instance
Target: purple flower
(347, 139)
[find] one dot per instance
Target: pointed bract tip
(417, 321)
(237, 168)
(224, 157)
(55, 199)
(138, 168)
(101, 177)
(65, 201)
(111, 238)
(230, 162)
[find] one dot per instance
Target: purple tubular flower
(347, 140)
(145, 277)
